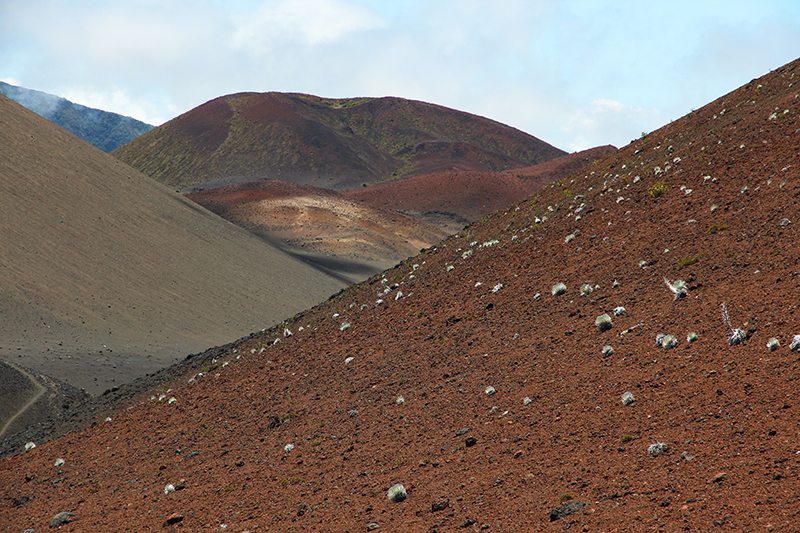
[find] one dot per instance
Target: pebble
(372, 526)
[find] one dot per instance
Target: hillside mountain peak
(103, 129)
(330, 143)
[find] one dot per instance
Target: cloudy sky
(575, 73)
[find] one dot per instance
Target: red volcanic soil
(330, 143)
(710, 199)
(471, 195)
(350, 239)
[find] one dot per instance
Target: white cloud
(606, 121)
(307, 22)
(575, 74)
(119, 101)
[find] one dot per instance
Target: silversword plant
(795, 344)
(773, 344)
(603, 322)
(396, 493)
(737, 335)
(657, 448)
(678, 288)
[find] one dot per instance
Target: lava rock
(61, 518)
(566, 509)
(172, 519)
(440, 505)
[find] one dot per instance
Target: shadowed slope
(491, 400)
(351, 240)
(324, 142)
(108, 275)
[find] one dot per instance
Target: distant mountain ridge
(329, 143)
(103, 129)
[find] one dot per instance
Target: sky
(574, 73)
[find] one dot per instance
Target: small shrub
(565, 498)
(716, 227)
(688, 261)
(626, 438)
(658, 189)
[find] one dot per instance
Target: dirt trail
(34, 398)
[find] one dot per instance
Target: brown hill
(324, 142)
(451, 198)
(108, 275)
(709, 444)
(346, 238)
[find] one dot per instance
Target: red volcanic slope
(324, 142)
(369, 395)
(472, 195)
